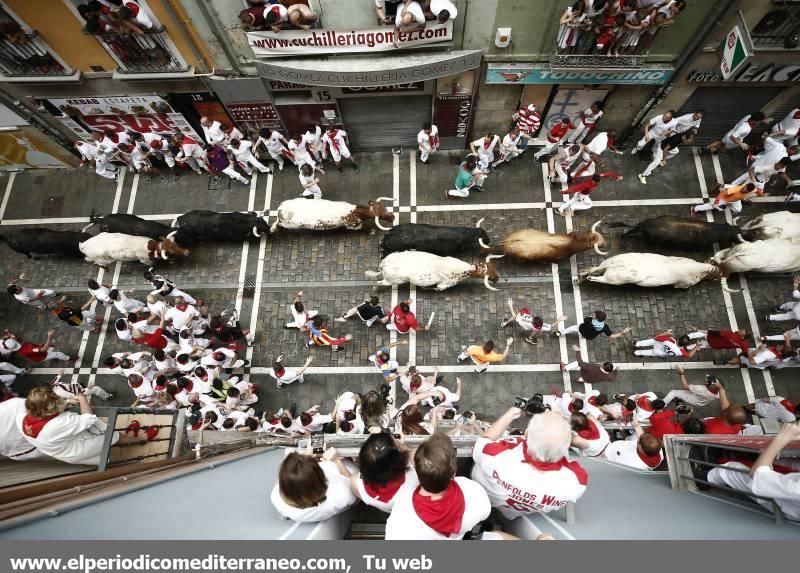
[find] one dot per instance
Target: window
(779, 28)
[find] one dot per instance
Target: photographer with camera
(347, 414)
(531, 473)
(678, 421)
(437, 396)
(695, 394)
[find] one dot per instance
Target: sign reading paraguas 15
(528, 75)
(326, 42)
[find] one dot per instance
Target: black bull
(45, 242)
(669, 231)
(210, 226)
(439, 240)
(128, 225)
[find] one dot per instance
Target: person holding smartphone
(311, 490)
(385, 467)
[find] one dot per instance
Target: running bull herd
(421, 254)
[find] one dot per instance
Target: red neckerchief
(280, 372)
(332, 136)
(443, 515)
(189, 387)
(645, 404)
(386, 492)
(182, 307)
(649, 461)
(486, 144)
(593, 400)
(188, 141)
(432, 139)
(32, 425)
(789, 405)
(414, 385)
(590, 433)
(132, 385)
(571, 407)
(543, 466)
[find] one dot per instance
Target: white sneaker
(642, 179)
(634, 151)
(340, 319)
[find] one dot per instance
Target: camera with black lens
(532, 406)
(384, 391)
(711, 380)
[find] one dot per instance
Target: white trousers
(233, 174)
(579, 133)
(299, 317)
(485, 160)
(425, 152)
(465, 191)
(687, 396)
(740, 481)
(559, 173)
(658, 348)
(104, 169)
(791, 312)
(313, 191)
(41, 304)
(250, 160)
(736, 206)
(277, 156)
(658, 156)
(548, 148)
(88, 323)
(578, 202)
(645, 141)
(53, 354)
(745, 178)
(177, 292)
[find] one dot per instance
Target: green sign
(734, 53)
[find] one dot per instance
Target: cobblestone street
(260, 278)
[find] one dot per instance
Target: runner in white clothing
(212, 131)
(283, 375)
(695, 394)
(35, 297)
(427, 141)
(484, 149)
(684, 123)
(585, 122)
(275, 144)
(735, 137)
(124, 304)
(298, 146)
(337, 143)
(776, 408)
(656, 130)
(509, 147)
(560, 162)
(591, 439)
(241, 152)
(310, 183)
(590, 158)
(313, 139)
(786, 130)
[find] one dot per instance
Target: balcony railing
(28, 56)
(150, 53)
(597, 61)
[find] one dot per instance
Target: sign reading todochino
(379, 39)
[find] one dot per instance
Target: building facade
(467, 75)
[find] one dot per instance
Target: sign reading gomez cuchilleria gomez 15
(324, 42)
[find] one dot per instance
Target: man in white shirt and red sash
(441, 506)
(528, 474)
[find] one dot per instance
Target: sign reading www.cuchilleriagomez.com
(325, 42)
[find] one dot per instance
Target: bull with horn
(543, 247)
(428, 270)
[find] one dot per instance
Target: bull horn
(486, 283)
(174, 223)
(724, 282)
(490, 257)
(735, 219)
(255, 231)
(741, 238)
(478, 224)
(381, 227)
(83, 230)
(384, 198)
(164, 254)
(594, 227)
(598, 251)
(482, 244)
(172, 235)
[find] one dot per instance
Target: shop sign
(452, 114)
(145, 114)
(500, 74)
(734, 53)
(264, 114)
(412, 87)
(326, 42)
(445, 65)
(751, 73)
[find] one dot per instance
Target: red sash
(442, 515)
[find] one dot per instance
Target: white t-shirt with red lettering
(518, 485)
(404, 523)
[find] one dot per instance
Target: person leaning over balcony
(409, 17)
(439, 10)
(131, 16)
(301, 16)
(386, 11)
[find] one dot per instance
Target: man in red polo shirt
(402, 319)
(554, 137)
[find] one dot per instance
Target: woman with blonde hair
(66, 436)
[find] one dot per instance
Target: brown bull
(544, 247)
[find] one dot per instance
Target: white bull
(651, 270)
(778, 225)
(321, 215)
(769, 256)
(426, 270)
(107, 248)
